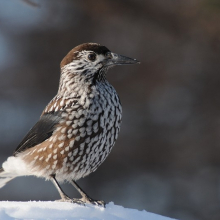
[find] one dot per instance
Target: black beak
(116, 59)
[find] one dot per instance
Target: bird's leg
(64, 197)
(85, 198)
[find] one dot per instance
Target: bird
(77, 129)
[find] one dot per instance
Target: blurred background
(167, 157)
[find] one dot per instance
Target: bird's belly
(92, 148)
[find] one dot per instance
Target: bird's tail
(5, 177)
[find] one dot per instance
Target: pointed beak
(116, 59)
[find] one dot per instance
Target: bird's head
(91, 61)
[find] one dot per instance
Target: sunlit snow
(59, 210)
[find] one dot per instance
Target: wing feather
(41, 131)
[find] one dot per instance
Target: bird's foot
(88, 200)
(67, 199)
(84, 200)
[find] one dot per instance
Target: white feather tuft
(16, 166)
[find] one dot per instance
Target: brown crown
(72, 55)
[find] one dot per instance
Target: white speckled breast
(83, 138)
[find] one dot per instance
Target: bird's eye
(108, 55)
(92, 56)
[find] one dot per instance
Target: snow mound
(61, 211)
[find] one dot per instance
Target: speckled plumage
(84, 135)
(80, 125)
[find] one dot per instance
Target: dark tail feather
(5, 177)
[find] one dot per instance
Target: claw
(78, 201)
(89, 200)
(83, 201)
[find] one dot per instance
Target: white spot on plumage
(81, 153)
(54, 139)
(34, 150)
(76, 160)
(69, 131)
(95, 117)
(75, 152)
(89, 129)
(83, 134)
(81, 146)
(89, 123)
(95, 126)
(82, 130)
(80, 124)
(84, 159)
(74, 125)
(69, 136)
(64, 114)
(62, 104)
(75, 132)
(63, 130)
(62, 122)
(113, 131)
(71, 158)
(80, 112)
(71, 143)
(61, 144)
(68, 123)
(96, 138)
(89, 132)
(62, 137)
(77, 138)
(71, 117)
(87, 140)
(82, 120)
(88, 150)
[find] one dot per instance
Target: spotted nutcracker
(79, 126)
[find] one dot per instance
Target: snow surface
(61, 211)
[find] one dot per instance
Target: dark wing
(41, 131)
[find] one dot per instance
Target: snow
(59, 210)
